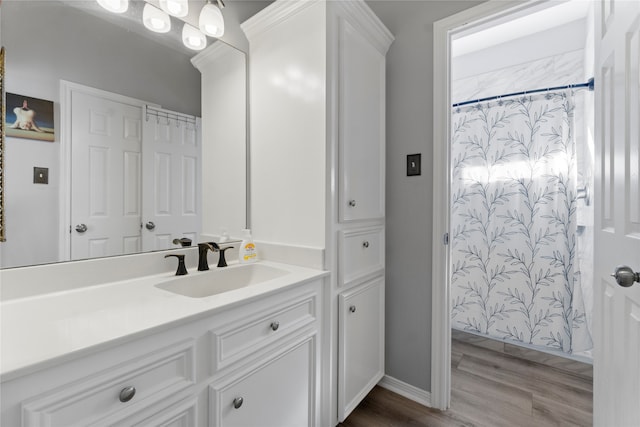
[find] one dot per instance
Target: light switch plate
(414, 164)
(40, 175)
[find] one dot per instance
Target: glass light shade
(211, 21)
(155, 19)
(178, 8)
(115, 6)
(193, 38)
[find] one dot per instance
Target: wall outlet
(413, 164)
(40, 175)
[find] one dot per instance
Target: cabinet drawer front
(91, 401)
(361, 254)
(278, 393)
(248, 335)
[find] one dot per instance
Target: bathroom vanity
(135, 353)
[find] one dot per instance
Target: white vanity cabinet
(253, 363)
(317, 104)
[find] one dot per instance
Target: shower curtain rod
(589, 84)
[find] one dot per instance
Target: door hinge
(445, 238)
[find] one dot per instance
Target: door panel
(617, 240)
(105, 193)
(171, 168)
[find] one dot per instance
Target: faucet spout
(203, 248)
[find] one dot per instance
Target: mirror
(48, 41)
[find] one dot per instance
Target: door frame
(476, 17)
(67, 88)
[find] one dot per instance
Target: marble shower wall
(558, 70)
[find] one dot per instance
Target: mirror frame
(2, 126)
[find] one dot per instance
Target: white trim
(271, 16)
(416, 394)
(66, 90)
(440, 288)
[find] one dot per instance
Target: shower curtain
(513, 224)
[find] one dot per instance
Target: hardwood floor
(492, 387)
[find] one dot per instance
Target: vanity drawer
(102, 399)
(360, 254)
(248, 334)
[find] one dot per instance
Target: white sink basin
(217, 281)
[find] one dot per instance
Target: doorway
(521, 176)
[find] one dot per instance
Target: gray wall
(409, 199)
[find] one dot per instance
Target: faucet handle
(214, 246)
(222, 262)
(182, 269)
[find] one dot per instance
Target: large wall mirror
(49, 41)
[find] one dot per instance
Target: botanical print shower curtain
(513, 223)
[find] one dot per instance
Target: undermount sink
(221, 280)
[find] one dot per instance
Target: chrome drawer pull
(352, 203)
(352, 309)
(365, 244)
(237, 402)
(275, 325)
(127, 393)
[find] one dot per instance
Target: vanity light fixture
(193, 38)
(178, 8)
(211, 21)
(155, 19)
(115, 6)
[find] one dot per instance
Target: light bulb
(192, 38)
(115, 6)
(155, 19)
(211, 21)
(178, 8)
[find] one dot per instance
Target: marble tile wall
(558, 70)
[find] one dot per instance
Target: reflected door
(106, 141)
(171, 178)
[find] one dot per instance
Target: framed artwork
(30, 118)
(2, 125)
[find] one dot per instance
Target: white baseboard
(407, 390)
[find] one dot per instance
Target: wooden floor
(492, 387)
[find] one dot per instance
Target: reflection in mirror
(2, 113)
(48, 42)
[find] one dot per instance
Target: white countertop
(45, 330)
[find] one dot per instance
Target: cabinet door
(361, 343)
(361, 126)
(279, 393)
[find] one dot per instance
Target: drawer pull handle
(352, 203)
(237, 402)
(352, 309)
(365, 244)
(275, 325)
(127, 393)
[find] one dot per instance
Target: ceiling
(492, 33)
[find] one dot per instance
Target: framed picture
(29, 118)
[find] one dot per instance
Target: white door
(617, 242)
(171, 202)
(105, 190)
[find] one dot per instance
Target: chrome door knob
(275, 325)
(81, 228)
(365, 244)
(352, 203)
(150, 225)
(352, 309)
(625, 276)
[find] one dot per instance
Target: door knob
(625, 276)
(150, 225)
(81, 228)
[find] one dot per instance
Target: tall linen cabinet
(317, 114)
